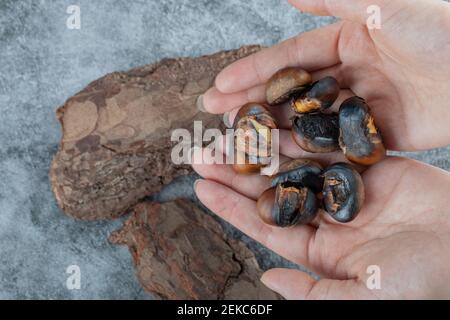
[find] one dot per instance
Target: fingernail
(266, 283)
(196, 183)
(200, 105)
(226, 120)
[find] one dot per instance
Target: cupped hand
(401, 69)
(403, 231)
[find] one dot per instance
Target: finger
(353, 10)
(241, 212)
(283, 113)
(250, 186)
(217, 102)
(289, 283)
(311, 50)
(296, 285)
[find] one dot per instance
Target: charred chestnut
(287, 204)
(252, 138)
(343, 192)
(321, 95)
(286, 83)
(300, 171)
(317, 132)
(359, 138)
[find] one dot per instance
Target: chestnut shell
(320, 96)
(300, 171)
(286, 205)
(317, 132)
(359, 139)
(343, 192)
(246, 143)
(286, 83)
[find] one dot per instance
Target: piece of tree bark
(182, 253)
(116, 145)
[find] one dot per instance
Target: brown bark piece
(182, 253)
(116, 143)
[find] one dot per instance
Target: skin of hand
(404, 226)
(401, 69)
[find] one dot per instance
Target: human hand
(404, 226)
(403, 229)
(402, 69)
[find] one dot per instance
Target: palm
(397, 89)
(400, 239)
(402, 229)
(402, 71)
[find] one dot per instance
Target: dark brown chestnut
(321, 95)
(360, 140)
(300, 171)
(287, 204)
(253, 125)
(316, 132)
(343, 192)
(285, 83)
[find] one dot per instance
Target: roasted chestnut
(320, 96)
(286, 83)
(359, 138)
(252, 139)
(287, 204)
(343, 192)
(316, 132)
(301, 171)
(291, 198)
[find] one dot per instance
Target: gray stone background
(42, 63)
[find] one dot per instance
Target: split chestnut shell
(252, 140)
(343, 192)
(320, 96)
(317, 132)
(360, 140)
(301, 171)
(286, 205)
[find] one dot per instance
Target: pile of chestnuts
(292, 197)
(302, 186)
(352, 129)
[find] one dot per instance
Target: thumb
(297, 285)
(353, 10)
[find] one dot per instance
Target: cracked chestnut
(252, 140)
(301, 171)
(360, 140)
(286, 83)
(287, 204)
(291, 198)
(343, 192)
(316, 132)
(320, 96)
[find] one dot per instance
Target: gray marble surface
(42, 63)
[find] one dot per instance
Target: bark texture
(182, 253)
(116, 147)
